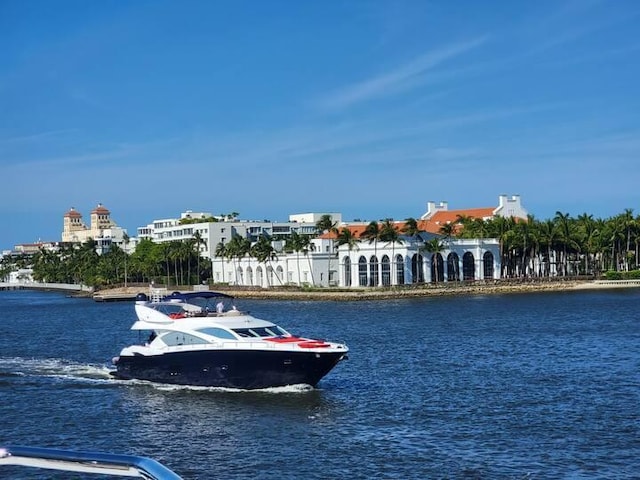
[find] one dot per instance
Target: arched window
(437, 268)
(399, 270)
(417, 271)
(468, 266)
(453, 267)
(373, 271)
(249, 276)
(239, 276)
(362, 272)
(280, 275)
(346, 265)
(487, 265)
(259, 278)
(385, 266)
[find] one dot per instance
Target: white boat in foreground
(85, 462)
(195, 343)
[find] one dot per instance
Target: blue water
(529, 386)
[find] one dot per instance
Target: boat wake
(54, 368)
(299, 388)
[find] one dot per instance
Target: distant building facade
(323, 263)
(379, 264)
(214, 230)
(367, 264)
(102, 229)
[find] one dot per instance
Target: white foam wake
(299, 388)
(53, 367)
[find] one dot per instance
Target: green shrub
(632, 275)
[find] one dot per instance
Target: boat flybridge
(193, 342)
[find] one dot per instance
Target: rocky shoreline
(408, 291)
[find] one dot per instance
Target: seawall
(409, 291)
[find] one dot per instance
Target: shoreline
(369, 293)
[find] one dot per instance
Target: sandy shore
(409, 291)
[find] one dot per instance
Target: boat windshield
(272, 331)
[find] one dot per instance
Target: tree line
(171, 263)
(563, 245)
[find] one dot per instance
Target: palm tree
(237, 247)
(523, 236)
(221, 251)
(264, 252)
(435, 247)
(325, 225)
(410, 227)
(346, 237)
(389, 233)
(566, 237)
(628, 223)
(296, 243)
(467, 226)
(198, 241)
(372, 234)
(447, 230)
(125, 240)
(309, 246)
(502, 229)
(589, 232)
(175, 255)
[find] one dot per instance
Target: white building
(314, 217)
(408, 262)
(366, 265)
(324, 264)
(216, 230)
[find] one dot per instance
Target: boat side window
(217, 332)
(178, 338)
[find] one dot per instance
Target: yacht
(201, 339)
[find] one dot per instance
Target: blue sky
(267, 108)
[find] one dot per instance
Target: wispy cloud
(403, 78)
(575, 20)
(34, 137)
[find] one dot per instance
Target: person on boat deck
(220, 307)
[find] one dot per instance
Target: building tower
(100, 221)
(73, 226)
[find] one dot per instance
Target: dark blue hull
(243, 369)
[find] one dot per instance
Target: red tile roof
(73, 213)
(432, 225)
(100, 210)
(451, 216)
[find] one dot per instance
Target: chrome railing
(86, 462)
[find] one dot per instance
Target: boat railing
(86, 462)
(157, 294)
